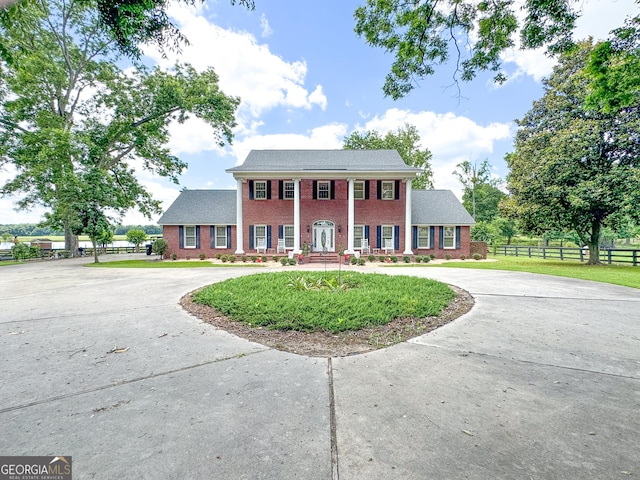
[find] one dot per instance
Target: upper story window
(289, 191)
(449, 237)
(388, 191)
(358, 190)
(260, 190)
(323, 190)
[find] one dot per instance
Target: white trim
(215, 236)
(194, 236)
(444, 237)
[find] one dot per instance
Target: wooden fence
(608, 255)
(44, 253)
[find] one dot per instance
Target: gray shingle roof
(323, 160)
(438, 207)
(218, 207)
(202, 207)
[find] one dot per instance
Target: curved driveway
(540, 380)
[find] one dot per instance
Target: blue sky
(307, 81)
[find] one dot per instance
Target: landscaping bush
(476, 256)
(418, 258)
(263, 259)
(325, 301)
(292, 261)
(254, 258)
(432, 256)
(361, 261)
(232, 258)
(394, 259)
(382, 259)
(407, 259)
(426, 259)
(372, 258)
(218, 256)
(275, 258)
(244, 258)
(21, 251)
(174, 256)
(284, 261)
(202, 256)
(447, 257)
(463, 257)
(159, 247)
(353, 260)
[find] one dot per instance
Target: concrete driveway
(541, 380)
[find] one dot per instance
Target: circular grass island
(327, 314)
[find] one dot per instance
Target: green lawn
(167, 264)
(625, 275)
(318, 301)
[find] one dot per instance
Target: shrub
(353, 260)
(394, 259)
(418, 258)
(284, 261)
(292, 261)
(406, 259)
(447, 257)
(218, 256)
(232, 258)
(426, 259)
(202, 256)
(275, 258)
(476, 256)
(263, 259)
(223, 258)
(174, 256)
(188, 257)
(21, 251)
(159, 247)
(361, 261)
(372, 258)
(254, 258)
(382, 259)
(136, 237)
(463, 257)
(243, 258)
(432, 256)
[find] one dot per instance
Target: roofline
(324, 175)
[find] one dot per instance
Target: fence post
(609, 256)
(635, 258)
(544, 253)
(561, 254)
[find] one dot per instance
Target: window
(189, 236)
(221, 236)
(323, 190)
(260, 234)
(358, 235)
(358, 190)
(289, 191)
(288, 236)
(449, 237)
(387, 234)
(260, 190)
(423, 237)
(388, 191)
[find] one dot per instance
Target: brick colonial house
(326, 200)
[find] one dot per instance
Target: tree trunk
(594, 244)
(70, 240)
(94, 242)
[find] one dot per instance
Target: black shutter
(397, 189)
(250, 237)
(280, 189)
(268, 189)
(379, 235)
(228, 236)
(458, 237)
(379, 192)
(432, 234)
(280, 231)
(332, 194)
(197, 236)
(366, 189)
(268, 236)
(212, 236)
(415, 237)
(250, 189)
(366, 234)
(396, 237)
(180, 236)
(441, 246)
(315, 189)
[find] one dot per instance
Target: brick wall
(465, 245)
(171, 234)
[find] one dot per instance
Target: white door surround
(324, 236)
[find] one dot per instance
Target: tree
(574, 168)
(73, 124)
(136, 237)
(485, 200)
(423, 34)
(406, 141)
(131, 23)
(159, 247)
(471, 176)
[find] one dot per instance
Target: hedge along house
(326, 200)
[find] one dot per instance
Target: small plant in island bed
(280, 301)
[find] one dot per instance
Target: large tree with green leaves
(406, 141)
(75, 126)
(425, 34)
(574, 168)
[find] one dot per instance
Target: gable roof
(438, 207)
(202, 207)
(218, 207)
(301, 161)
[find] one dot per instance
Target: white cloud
(324, 137)
(264, 24)
(451, 139)
(193, 136)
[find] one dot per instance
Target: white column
(351, 217)
(239, 235)
(296, 214)
(407, 220)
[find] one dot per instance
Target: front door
(324, 236)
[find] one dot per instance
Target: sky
(306, 81)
